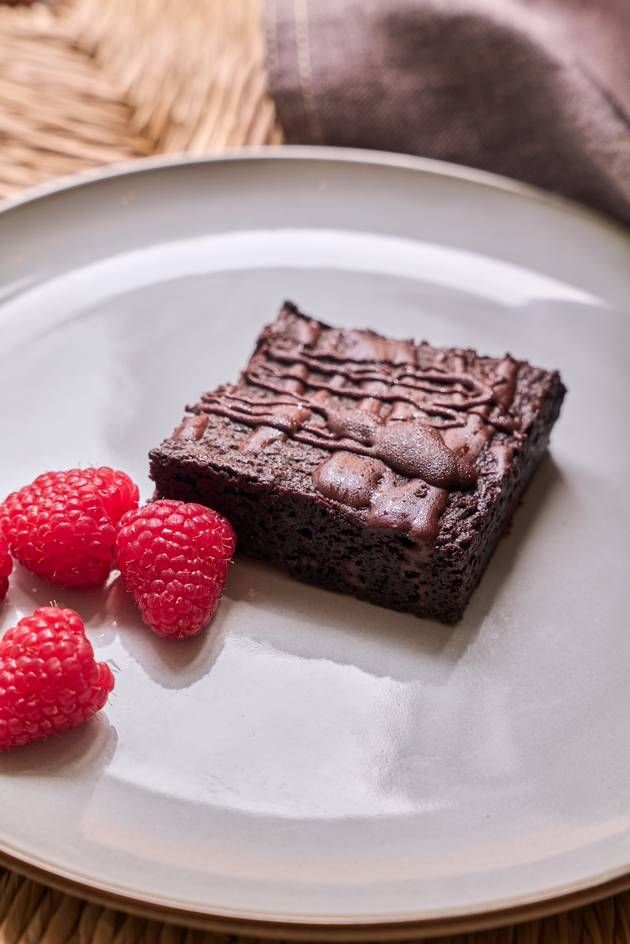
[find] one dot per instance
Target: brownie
(381, 468)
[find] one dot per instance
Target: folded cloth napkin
(535, 89)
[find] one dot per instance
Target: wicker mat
(99, 81)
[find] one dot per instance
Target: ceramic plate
(315, 762)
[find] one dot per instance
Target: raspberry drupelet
(6, 566)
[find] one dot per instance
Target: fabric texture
(538, 90)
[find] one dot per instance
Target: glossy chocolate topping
(404, 422)
(192, 427)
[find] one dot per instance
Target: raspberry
(6, 566)
(49, 679)
(174, 559)
(62, 526)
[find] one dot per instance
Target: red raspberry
(6, 566)
(174, 558)
(62, 526)
(49, 679)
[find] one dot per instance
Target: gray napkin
(535, 89)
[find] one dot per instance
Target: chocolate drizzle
(192, 428)
(349, 479)
(441, 398)
(404, 422)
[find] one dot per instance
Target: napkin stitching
(305, 68)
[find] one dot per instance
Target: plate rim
(311, 927)
(324, 154)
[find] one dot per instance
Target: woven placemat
(100, 81)
(97, 82)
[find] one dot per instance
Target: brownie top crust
(385, 430)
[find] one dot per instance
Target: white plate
(315, 760)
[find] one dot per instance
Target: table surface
(96, 82)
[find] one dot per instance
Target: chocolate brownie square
(381, 468)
